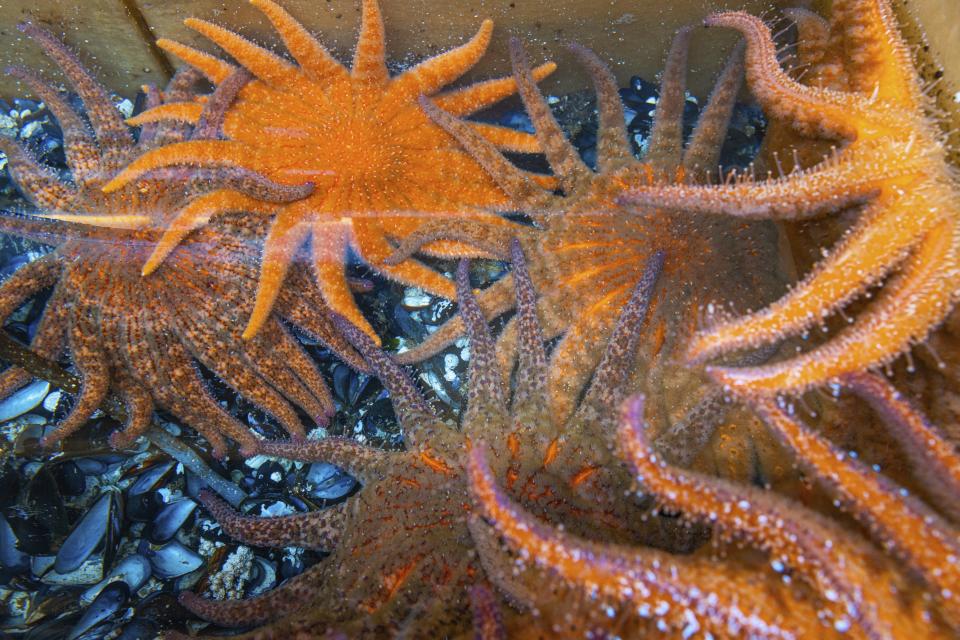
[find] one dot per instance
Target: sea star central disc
(357, 135)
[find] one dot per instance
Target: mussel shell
(151, 478)
(41, 516)
(139, 629)
(328, 482)
(169, 520)
(99, 526)
(11, 558)
(71, 478)
(171, 560)
(144, 507)
(133, 570)
(113, 597)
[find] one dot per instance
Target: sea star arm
(877, 59)
(632, 579)
(215, 69)
(529, 397)
(27, 281)
(320, 530)
(507, 139)
(409, 404)
(487, 617)
(206, 332)
(301, 309)
(370, 58)
(313, 57)
(917, 534)
(210, 123)
(277, 603)
(90, 361)
(819, 63)
(495, 300)
(361, 461)
(262, 63)
(41, 186)
(306, 380)
(613, 148)
(477, 96)
(108, 126)
(925, 286)
(787, 531)
(666, 137)
(434, 73)
(702, 155)
(562, 156)
(79, 145)
(187, 112)
(286, 235)
(934, 459)
(139, 406)
(375, 250)
(812, 111)
(197, 153)
(826, 188)
(194, 400)
(486, 396)
(197, 214)
(863, 258)
(514, 182)
(489, 233)
(606, 387)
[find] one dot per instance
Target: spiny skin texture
(377, 166)
(141, 337)
(586, 249)
(840, 584)
(404, 562)
(892, 163)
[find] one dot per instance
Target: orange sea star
(402, 553)
(142, 337)
(376, 163)
(893, 163)
(586, 250)
(825, 581)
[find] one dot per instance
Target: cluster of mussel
(96, 543)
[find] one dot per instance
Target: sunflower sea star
(377, 165)
(893, 163)
(586, 249)
(401, 550)
(840, 586)
(142, 336)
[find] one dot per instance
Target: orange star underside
(892, 165)
(378, 167)
(142, 338)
